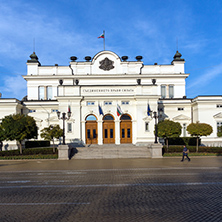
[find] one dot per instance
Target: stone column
(117, 131)
(100, 132)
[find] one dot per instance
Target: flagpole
(104, 39)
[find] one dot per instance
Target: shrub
(188, 141)
(37, 143)
(32, 151)
(192, 149)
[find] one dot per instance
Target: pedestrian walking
(185, 153)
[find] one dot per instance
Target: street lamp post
(155, 116)
(63, 118)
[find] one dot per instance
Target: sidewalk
(166, 162)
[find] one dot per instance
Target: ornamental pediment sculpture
(106, 64)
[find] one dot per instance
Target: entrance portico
(108, 130)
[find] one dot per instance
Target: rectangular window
(125, 102)
(171, 91)
(90, 103)
(69, 127)
(88, 133)
(32, 111)
(107, 103)
(184, 130)
(180, 108)
(219, 105)
(146, 127)
(41, 92)
(163, 91)
(123, 133)
(94, 134)
(128, 133)
(54, 110)
(219, 124)
(49, 92)
(106, 133)
(111, 133)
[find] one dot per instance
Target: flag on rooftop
(101, 36)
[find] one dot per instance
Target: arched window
(108, 117)
(125, 117)
(91, 118)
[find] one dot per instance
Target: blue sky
(64, 28)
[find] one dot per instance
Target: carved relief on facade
(106, 64)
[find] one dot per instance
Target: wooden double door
(91, 132)
(126, 131)
(108, 131)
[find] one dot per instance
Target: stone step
(112, 151)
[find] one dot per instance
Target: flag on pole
(148, 109)
(119, 111)
(101, 36)
(100, 110)
(69, 109)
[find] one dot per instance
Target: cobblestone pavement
(111, 190)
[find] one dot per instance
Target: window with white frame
(146, 126)
(69, 127)
(54, 110)
(32, 111)
(219, 105)
(163, 91)
(184, 130)
(90, 103)
(49, 92)
(180, 108)
(171, 91)
(125, 102)
(41, 92)
(219, 124)
(107, 103)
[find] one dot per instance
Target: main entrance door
(91, 130)
(108, 129)
(125, 129)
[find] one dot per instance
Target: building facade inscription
(108, 91)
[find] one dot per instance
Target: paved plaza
(111, 190)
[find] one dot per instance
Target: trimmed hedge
(192, 149)
(188, 141)
(37, 143)
(31, 151)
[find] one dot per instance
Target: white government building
(93, 89)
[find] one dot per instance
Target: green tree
(199, 129)
(2, 136)
(167, 129)
(19, 127)
(51, 132)
(219, 131)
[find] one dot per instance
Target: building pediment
(52, 119)
(181, 117)
(218, 116)
(37, 119)
(147, 119)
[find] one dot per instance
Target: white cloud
(208, 76)
(14, 86)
